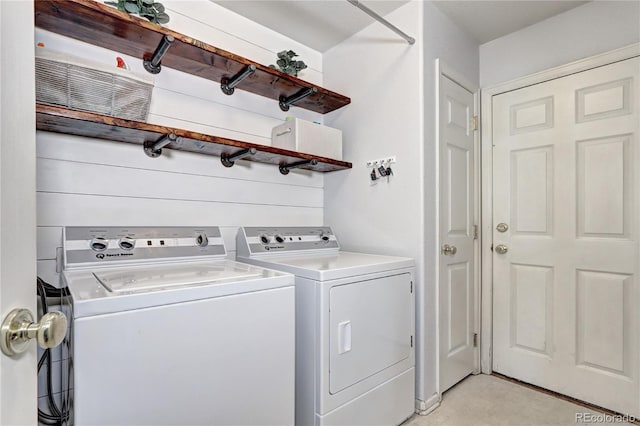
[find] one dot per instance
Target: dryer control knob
(265, 239)
(279, 239)
(324, 237)
(99, 244)
(127, 243)
(202, 240)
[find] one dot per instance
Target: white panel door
(18, 388)
(566, 184)
(456, 268)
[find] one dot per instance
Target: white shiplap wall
(85, 181)
(82, 181)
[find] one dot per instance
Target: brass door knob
(18, 328)
(448, 250)
(501, 249)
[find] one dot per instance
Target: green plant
(149, 9)
(287, 64)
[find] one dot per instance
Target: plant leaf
(148, 2)
(131, 7)
(162, 18)
(159, 7)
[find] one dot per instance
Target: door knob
(501, 249)
(18, 328)
(449, 250)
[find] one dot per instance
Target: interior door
(17, 203)
(456, 268)
(566, 219)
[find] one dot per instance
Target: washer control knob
(127, 243)
(265, 239)
(99, 244)
(279, 239)
(202, 240)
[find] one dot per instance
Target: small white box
(309, 138)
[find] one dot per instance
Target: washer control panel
(256, 239)
(90, 245)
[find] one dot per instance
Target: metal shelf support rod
(153, 65)
(154, 149)
(227, 84)
(286, 101)
(285, 168)
(230, 160)
(383, 21)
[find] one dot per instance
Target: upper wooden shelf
(81, 123)
(105, 26)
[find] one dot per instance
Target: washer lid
(121, 280)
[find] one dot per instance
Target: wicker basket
(77, 83)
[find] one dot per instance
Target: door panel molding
(486, 175)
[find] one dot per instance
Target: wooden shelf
(81, 123)
(105, 26)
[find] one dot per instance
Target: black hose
(56, 416)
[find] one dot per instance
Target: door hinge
(411, 341)
(475, 340)
(475, 232)
(411, 287)
(474, 123)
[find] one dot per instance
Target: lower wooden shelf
(81, 123)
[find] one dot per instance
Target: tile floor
(489, 400)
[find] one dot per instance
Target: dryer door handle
(344, 337)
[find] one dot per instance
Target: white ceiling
(488, 20)
(322, 24)
(319, 24)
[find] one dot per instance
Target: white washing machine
(166, 331)
(355, 362)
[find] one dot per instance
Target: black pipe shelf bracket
(153, 65)
(228, 84)
(286, 101)
(285, 168)
(154, 149)
(230, 160)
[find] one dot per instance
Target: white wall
(392, 88)
(82, 181)
(587, 30)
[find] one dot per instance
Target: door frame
(486, 130)
(444, 70)
(18, 386)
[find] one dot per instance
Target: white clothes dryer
(166, 331)
(355, 362)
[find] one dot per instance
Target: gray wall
(587, 30)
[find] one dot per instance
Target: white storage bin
(309, 138)
(77, 83)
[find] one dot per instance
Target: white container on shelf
(309, 138)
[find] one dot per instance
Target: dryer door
(371, 328)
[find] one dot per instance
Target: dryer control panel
(88, 245)
(254, 240)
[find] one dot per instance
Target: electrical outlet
(381, 161)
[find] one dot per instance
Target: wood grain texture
(81, 123)
(107, 27)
